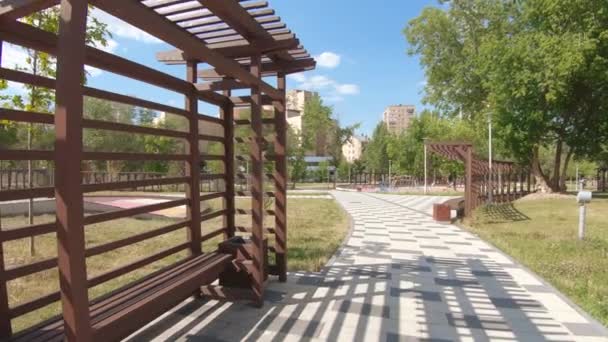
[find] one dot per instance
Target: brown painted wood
(15, 9)
(137, 15)
(19, 194)
(5, 319)
(68, 156)
(269, 68)
(193, 166)
(257, 184)
(280, 178)
(227, 114)
(144, 209)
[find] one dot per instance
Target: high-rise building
(398, 118)
(353, 149)
(296, 100)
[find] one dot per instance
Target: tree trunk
(541, 179)
(562, 180)
(557, 164)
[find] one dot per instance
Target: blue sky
(362, 61)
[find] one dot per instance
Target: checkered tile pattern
(399, 277)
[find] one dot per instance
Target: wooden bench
(442, 211)
(124, 311)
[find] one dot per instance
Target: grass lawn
(316, 227)
(542, 234)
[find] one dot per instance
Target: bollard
(582, 199)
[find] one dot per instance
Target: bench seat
(124, 311)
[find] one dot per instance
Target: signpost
(582, 199)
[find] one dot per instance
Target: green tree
(537, 66)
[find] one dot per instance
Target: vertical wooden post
(280, 180)
(257, 184)
(5, 320)
(529, 178)
(227, 114)
(193, 165)
(68, 158)
(468, 197)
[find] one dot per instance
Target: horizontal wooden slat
(249, 212)
(23, 116)
(34, 304)
(134, 239)
(211, 119)
(25, 270)
(211, 196)
(117, 214)
(120, 127)
(265, 121)
(45, 82)
(248, 193)
(25, 155)
(19, 194)
(211, 138)
(211, 157)
(104, 277)
(213, 176)
(211, 235)
(132, 156)
(242, 229)
(20, 233)
(133, 184)
(213, 215)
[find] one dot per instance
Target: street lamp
(490, 190)
(425, 166)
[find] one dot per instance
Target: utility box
(584, 197)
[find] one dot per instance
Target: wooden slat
(211, 196)
(26, 155)
(25, 270)
(34, 304)
(212, 138)
(212, 157)
(107, 276)
(215, 20)
(133, 184)
(210, 119)
(211, 235)
(21, 233)
(100, 249)
(221, 26)
(213, 215)
(213, 176)
(250, 5)
(19, 194)
(14, 9)
(118, 214)
(146, 19)
(23, 77)
(132, 156)
(120, 127)
(227, 84)
(23, 116)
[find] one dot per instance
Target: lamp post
(490, 189)
(390, 164)
(425, 168)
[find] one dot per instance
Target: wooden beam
(250, 5)
(68, 176)
(193, 166)
(216, 20)
(257, 184)
(280, 180)
(269, 68)
(138, 15)
(225, 84)
(240, 101)
(15, 9)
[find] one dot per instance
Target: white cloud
(347, 89)
(332, 91)
(121, 29)
(328, 60)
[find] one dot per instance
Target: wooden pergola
(505, 180)
(242, 42)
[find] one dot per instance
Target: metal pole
(390, 164)
(490, 187)
(582, 212)
(425, 169)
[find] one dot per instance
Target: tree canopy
(537, 66)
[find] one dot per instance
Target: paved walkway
(399, 277)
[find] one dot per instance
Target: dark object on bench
(238, 275)
(127, 309)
